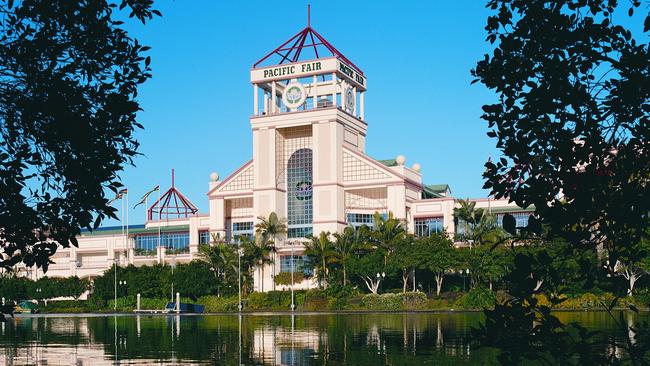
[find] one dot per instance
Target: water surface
(267, 339)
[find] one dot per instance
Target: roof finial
(172, 177)
(308, 15)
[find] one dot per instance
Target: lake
(259, 339)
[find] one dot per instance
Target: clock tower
(308, 104)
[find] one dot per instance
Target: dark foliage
(571, 120)
(69, 75)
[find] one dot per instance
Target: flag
(119, 195)
(144, 198)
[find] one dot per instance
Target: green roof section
(388, 162)
(435, 190)
(135, 230)
(512, 209)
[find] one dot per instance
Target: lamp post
(38, 293)
(293, 305)
(173, 265)
(462, 273)
(123, 283)
(240, 253)
(115, 284)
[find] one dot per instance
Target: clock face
(294, 95)
(349, 100)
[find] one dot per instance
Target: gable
(356, 168)
(240, 182)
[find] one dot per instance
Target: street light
(293, 304)
(240, 253)
(173, 265)
(122, 283)
(466, 272)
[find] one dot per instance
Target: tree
(194, 280)
(69, 76)
(366, 266)
(571, 119)
(271, 227)
(75, 286)
(320, 255)
(387, 232)
(257, 254)
(404, 259)
(346, 245)
(479, 225)
(633, 264)
(437, 254)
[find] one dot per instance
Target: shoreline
(287, 312)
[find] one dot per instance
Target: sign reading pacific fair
(302, 69)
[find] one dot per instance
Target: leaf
(510, 224)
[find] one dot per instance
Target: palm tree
(320, 255)
(271, 227)
(348, 243)
(221, 257)
(256, 254)
(387, 233)
(479, 224)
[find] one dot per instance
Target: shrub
(382, 302)
(477, 298)
(315, 300)
(414, 300)
(214, 304)
(272, 300)
(284, 278)
(437, 304)
(337, 303)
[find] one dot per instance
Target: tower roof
(172, 204)
(309, 41)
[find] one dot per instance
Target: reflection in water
(305, 339)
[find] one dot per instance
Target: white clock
(349, 100)
(294, 95)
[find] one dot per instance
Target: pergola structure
(306, 39)
(171, 205)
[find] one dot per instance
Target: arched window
(299, 194)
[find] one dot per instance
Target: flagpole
(158, 249)
(128, 252)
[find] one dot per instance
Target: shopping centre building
(309, 165)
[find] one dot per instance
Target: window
(359, 219)
(242, 229)
(520, 217)
(427, 226)
(299, 232)
(299, 194)
(299, 264)
(174, 242)
(204, 237)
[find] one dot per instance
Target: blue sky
(416, 57)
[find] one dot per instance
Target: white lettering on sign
(297, 70)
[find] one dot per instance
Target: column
(273, 97)
(266, 103)
(314, 89)
(334, 89)
(361, 105)
(255, 100)
(354, 92)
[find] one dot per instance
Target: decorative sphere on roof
(400, 160)
(417, 167)
(214, 176)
